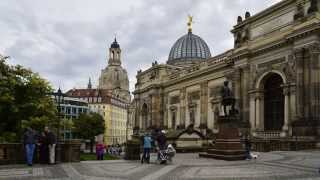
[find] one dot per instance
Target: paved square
(273, 165)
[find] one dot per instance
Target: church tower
(114, 77)
(115, 54)
(89, 84)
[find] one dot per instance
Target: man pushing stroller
(165, 152)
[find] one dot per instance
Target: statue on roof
(190, 23)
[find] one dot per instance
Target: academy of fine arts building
(273, 71)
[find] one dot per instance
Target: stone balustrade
(287, 144)
(268, 134)
(14, 153)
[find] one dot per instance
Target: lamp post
(59, 97)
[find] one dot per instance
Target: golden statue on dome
(190, 23)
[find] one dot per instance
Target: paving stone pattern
(273, 165)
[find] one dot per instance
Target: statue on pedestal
(228, 99)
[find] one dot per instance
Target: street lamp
(59, 97)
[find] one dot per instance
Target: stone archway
(269, 105)
(273, 102)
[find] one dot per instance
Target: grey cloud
(68, 41)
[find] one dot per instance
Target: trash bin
(132, 150)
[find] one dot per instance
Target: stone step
(223, 157)
(226, 152)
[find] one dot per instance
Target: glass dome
(189, 47)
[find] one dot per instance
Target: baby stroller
(167, 154)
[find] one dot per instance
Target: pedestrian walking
(29, 142)
(52, 141)
(247, 145)
(119, 150)
(146, 148)
(100, 149)
(162, 140)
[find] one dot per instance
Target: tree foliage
(24, 101)
(87, 126)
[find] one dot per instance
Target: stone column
(293, 104)
(166, 110)
(299, 58)
(162, 108)
(261, 95)
(203, 104)
(245, 100)
(137, 113)
(236, 84)
(286, 91)
(183, 107)
(314, 88)
(252, 111)
(257, 114)
(307, 91)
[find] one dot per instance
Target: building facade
(111, 99)
(273, 70)
(70, 109)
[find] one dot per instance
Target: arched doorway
(273, 103)
(144, 116)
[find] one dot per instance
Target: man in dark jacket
(29, 141)
(52, 141)
(162, 140)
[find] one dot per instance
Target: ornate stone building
(274, 70)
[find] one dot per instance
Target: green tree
(24, 101)
(87, 126)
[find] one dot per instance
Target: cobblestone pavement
(273, 165)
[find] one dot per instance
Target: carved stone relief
(279, 65)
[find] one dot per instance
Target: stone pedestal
(228, 145)
(133, 149)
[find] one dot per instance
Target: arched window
(145, 116)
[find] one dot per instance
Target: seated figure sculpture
(228, 99)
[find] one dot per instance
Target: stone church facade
(273, 70)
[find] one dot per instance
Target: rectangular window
(68, 110)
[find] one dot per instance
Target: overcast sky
(67, 41)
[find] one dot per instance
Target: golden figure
(189, 23)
